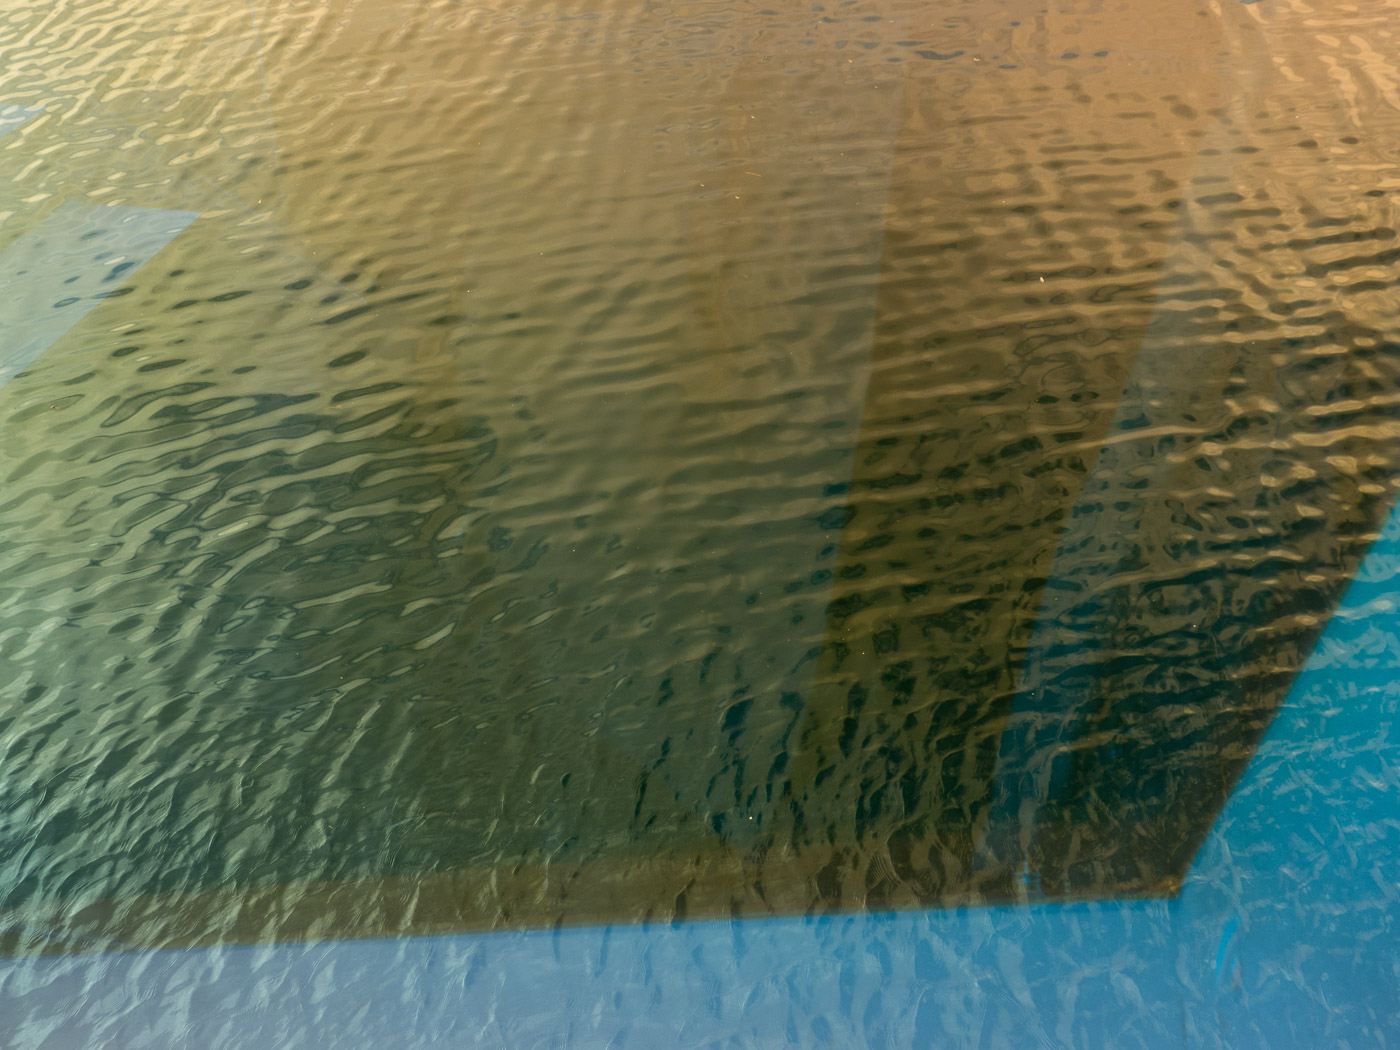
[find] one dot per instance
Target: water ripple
(605, 462)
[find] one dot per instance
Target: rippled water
(603, 462)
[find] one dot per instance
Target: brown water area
(655, 462)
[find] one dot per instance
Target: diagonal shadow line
(13, 117)
(1055, 711)
(57, 273)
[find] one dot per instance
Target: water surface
(592, 463)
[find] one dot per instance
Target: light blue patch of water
(55, 274)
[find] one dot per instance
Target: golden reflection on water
(717, 387)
